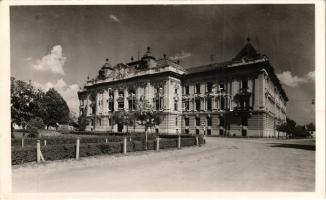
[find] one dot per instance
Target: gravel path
(223, 164)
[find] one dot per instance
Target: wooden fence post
(23, 141)
(158, 143)
(179, 142)
(197, 140)
(39, 156)
(125, 145)
(77, 148)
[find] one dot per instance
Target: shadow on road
(296, 146)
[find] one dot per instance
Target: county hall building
(240, 97)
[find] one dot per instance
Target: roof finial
(248, 39)
(132, 58)
(106, 60)
(148, 49)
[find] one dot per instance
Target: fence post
(125, 145)
(44, 142)
(23, 141)
(179, 142)
(106, 140)
(77, 148)
(158, 143)
(38, 151)
(197, 141)
(39, 155)
(204, 139)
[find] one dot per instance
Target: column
(116, 96)
(126, 106)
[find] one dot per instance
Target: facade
(240, 97)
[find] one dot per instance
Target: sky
(59, 46)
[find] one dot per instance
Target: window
(121, 105)
(186, 121)
(197, 121)
(121, 93)
(186, 131)
(197, 104)
(209, 87)
(132, 105)
(175, 105)
(197, 88)
(187, 105)
(222, 103)
(209, 104)
(244, 84)
(176, 91)
(111, 105)
(197, 131)
(176, 121)
(209, 121)
(222, 87)
(209, 132)
(221, 121)
(110, 122)
(187, 89)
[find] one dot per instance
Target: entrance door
(120, 127)
(244, 132)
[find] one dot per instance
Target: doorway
(120, 128)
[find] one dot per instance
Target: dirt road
(223, 164)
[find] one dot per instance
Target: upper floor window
(222, 87)
(209, 121)
(244, 84)
(209, 87)
(111, 105)
(197, 88)
(197, 104)
(186, 121)
(121, 93)
(175, 105)
(186, 105)
(176, 91)
(187, 89)
(222, 103)
(209, 103)
(197, 121)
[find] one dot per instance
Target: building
(240, 97)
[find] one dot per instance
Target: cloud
(181, 56)
(68, 92)
(290, 80)
(52, 62)
(114, 18)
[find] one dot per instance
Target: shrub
(67, 148)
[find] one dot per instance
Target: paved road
(223, 164)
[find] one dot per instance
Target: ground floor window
(197, 131)
(197, 121)
(209, 132)
(186, 121)
(186, 131)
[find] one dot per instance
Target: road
(223, 164)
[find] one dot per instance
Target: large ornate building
(241, 97)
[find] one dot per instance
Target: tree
(288, 127)
(34, 125)
(23, 102)
(123, 118)
(56, 109)
(147, 117)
